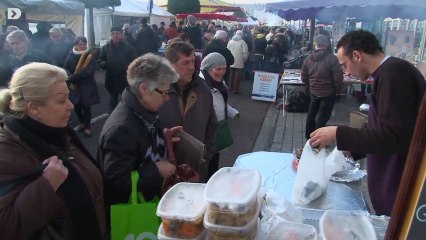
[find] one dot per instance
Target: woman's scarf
(77, 197)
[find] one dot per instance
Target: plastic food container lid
(292, 230)
(184, 201)
(232, 229)
(344, 225)
(233, 186)
(161, 235)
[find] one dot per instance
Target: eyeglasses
(164, 93)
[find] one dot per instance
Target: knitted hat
(212, 60)
(322, 41)
(116, 29)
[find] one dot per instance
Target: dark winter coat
(83, 80)
(219, 46)
(33, 203)
(147, 41)
(396, 96)
(260, 44)
(115, 59)
(195, 36)
(123, 145)
(129, 39)
(196, 115)
(323, 74)
(32, 55)
(5, 68)
(58, 52)
(274, 59)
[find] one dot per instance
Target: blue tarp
(326, 10)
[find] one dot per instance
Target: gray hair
(152, 70)
(220, 34)
(11, 28)
(32, 82)
(17, 35)
(57, 30)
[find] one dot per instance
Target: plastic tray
(233, 189)
(182, 209)
(344, 225)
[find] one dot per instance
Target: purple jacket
(397, 93)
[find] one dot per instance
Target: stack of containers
(182, 210)
(233, 204)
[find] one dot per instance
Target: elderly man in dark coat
(115, 57)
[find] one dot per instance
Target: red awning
(212, 16)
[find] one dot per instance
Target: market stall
(68, 12)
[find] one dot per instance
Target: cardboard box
(357, 119)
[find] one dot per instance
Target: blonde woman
(50, 186)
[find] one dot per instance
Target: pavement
(285, 133)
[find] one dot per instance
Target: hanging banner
(265, 86)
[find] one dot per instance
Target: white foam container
(292, 230)
(345, 225)
(183, 204)
(233, 189)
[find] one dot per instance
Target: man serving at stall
(395, 99)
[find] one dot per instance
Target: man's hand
(166, 168)
(323, 136)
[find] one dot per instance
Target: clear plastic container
(225, 230)
(162, 236)
(248, 232)
(292, 230)
(233, 190)
(220, 216)
(182, 209)
(344, 225)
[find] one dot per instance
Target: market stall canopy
(208, 6)
(250, 22)
(326, 10)
(39, 7)
(267, 18)
(139, 8)
(212, 16)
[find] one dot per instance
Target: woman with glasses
(132, 138)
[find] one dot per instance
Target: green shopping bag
(135, 220)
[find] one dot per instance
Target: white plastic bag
(275, 204)
(314, 172)
(311, 178)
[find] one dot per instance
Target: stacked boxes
(233, 205)
(182, 210)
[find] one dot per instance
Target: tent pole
(311, 33)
